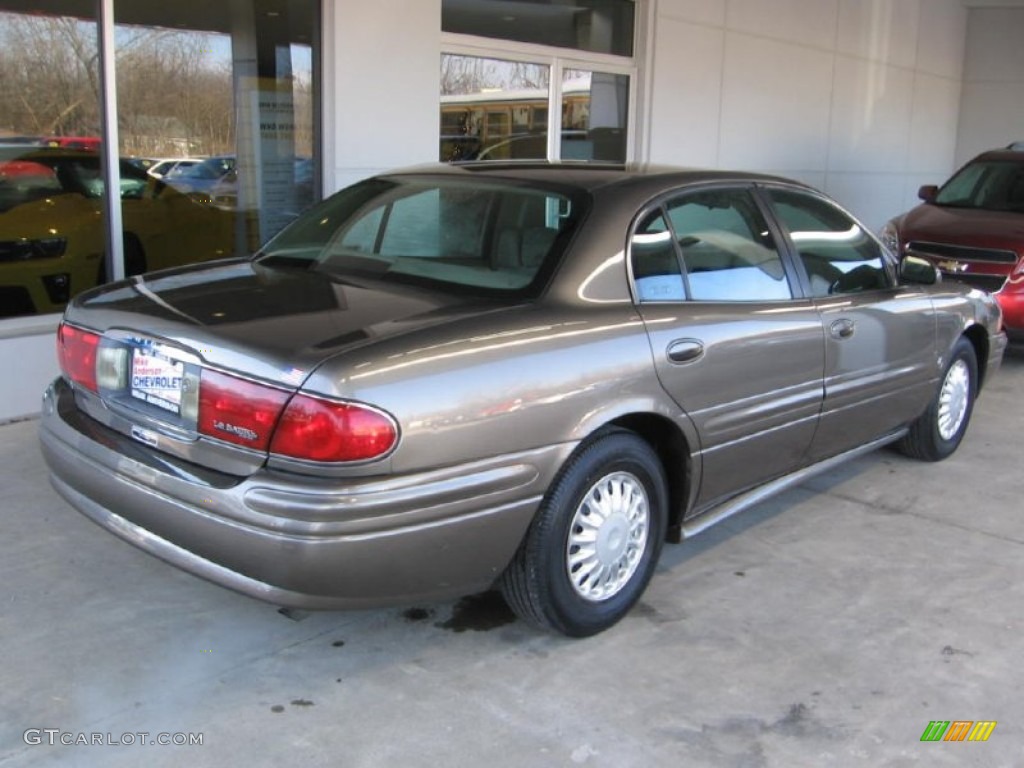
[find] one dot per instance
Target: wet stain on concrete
(301, 703)
(656, 616)
(949, 650)
(417, 614)
(736, 741)
(277, 708)
(479, 613)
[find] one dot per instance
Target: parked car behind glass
(972, 229)
(444, 379)
(51, 236)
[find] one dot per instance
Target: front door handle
(684, 350)
(842, 329)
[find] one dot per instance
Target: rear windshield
(993, 185)
(457, 235)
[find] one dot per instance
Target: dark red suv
(972, 229)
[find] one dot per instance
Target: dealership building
(288, 101)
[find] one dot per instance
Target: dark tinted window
(727, 249)
(838, 254)
(601, 26)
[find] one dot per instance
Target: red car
(972, 229)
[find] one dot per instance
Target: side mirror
(928, 192)
(918, 270)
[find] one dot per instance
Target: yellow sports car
(51, 230)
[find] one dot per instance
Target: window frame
(558, 60)
(889, 261)
(795, 275)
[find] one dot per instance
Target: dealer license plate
(156, 379)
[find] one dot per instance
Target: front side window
(840, 257)
(438, 233)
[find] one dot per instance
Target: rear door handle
(842, 329)
(684, 350)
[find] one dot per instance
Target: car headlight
(25, 248)
(890, 238)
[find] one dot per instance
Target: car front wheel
(593, 546)
(939, 430)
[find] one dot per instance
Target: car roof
(1005, 155)
(44, 154)
(588, 176)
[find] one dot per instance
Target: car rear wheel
(594, 543)
(939, 430)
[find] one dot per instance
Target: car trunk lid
(201, 362)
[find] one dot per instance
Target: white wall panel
(855, 95)
(871, 109)
(991, 115)
(879, 30)
(992, 104)
(775, 105)
(933, 124)
(686, 93)
(381, 85)
(29, 364)
(710, 12)
(995, 49)
(808, 22)
(942, 38)
(873, 197)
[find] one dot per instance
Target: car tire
(134, 256)
(610, 494)
(938, 431)
(134, 260)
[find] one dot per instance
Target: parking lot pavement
(829, 626)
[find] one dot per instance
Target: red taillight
(76, 352)
(237, 410)
(322, 430)
(254, 415)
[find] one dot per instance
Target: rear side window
(728, 252)
(712, 245)
(840, 257)
(656, 271)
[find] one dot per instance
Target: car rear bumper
(301, 542)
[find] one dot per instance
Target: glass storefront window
(493, 109)
(595, 106)
(597, 26)
(51, 229)
(218, 101)
(498, 110)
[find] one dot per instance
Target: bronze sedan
(449, 378)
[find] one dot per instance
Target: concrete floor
(825, 628)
